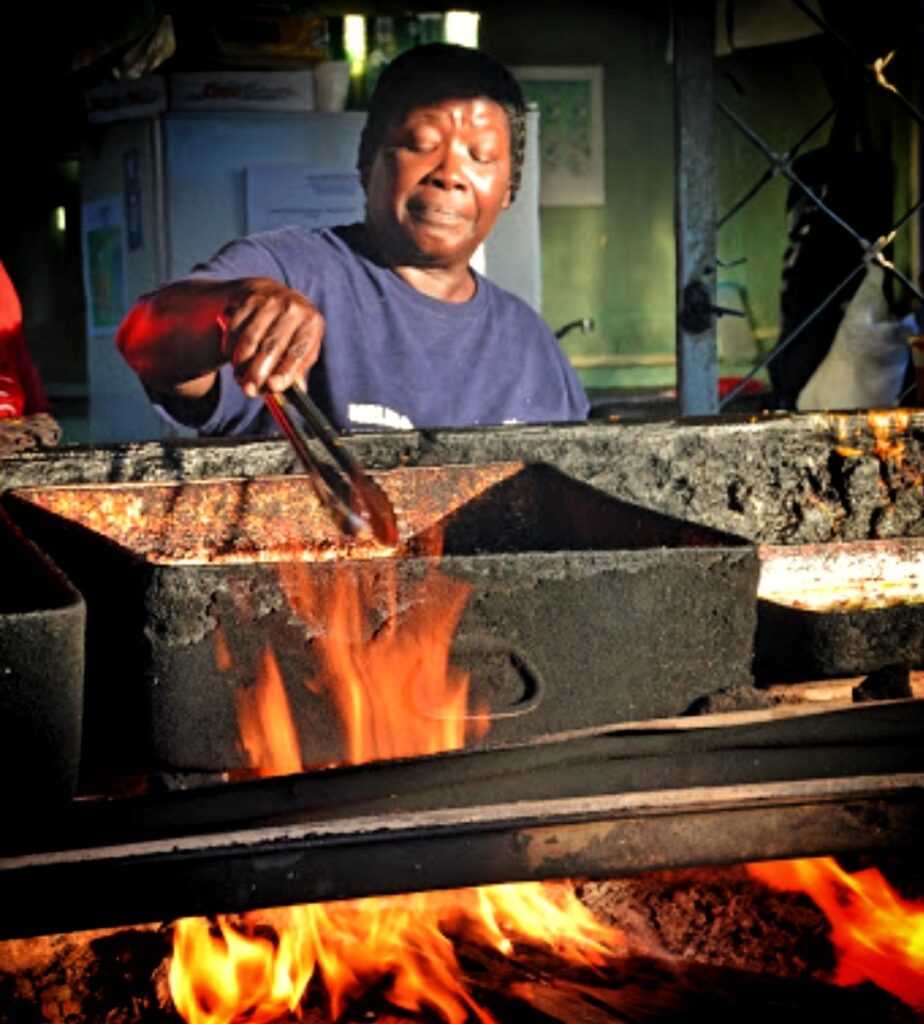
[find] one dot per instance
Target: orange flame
(396, 695)
(878, 935)
(267, 731)
(886, 425)
(257, 966)
(393, 688)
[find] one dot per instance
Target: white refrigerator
(163, 192)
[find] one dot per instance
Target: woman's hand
(270, 334)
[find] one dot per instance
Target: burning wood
(878, 936)
(705, 944)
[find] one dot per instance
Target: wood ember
(703, 944)
(642, 990)
(27, 433)
(116, 977)
(718, 916)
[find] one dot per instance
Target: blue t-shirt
(391, 356)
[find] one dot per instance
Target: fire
(396, 695)
(257, 966)
(267, 731)
(878, 936)
(885, 425)
(393, 687)
(888, 426)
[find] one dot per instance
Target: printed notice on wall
(104, 263)
(279, 195)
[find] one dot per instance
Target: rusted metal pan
(829, 610)
(613, 802)
(582, 609)
(42, 625)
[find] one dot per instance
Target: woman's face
(439, 182)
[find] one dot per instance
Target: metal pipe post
(695, 205)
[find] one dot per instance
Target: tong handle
(345, 517)
(368, 506)
(319, 427)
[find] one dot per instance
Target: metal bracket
(698, 311)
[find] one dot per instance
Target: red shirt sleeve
(20, 378)
(21, 389)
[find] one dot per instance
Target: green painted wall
(614, 263)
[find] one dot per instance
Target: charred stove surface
(625, 799)
(792, 480)
(777, 479)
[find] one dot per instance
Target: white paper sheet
(312, 197)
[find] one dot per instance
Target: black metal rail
(609, 801)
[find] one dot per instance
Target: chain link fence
(841, 216)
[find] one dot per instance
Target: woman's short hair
(440, 71)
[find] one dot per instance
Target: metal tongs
(354, 500)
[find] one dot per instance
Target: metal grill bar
(694, 214)
(607, 801)
(527, 841)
